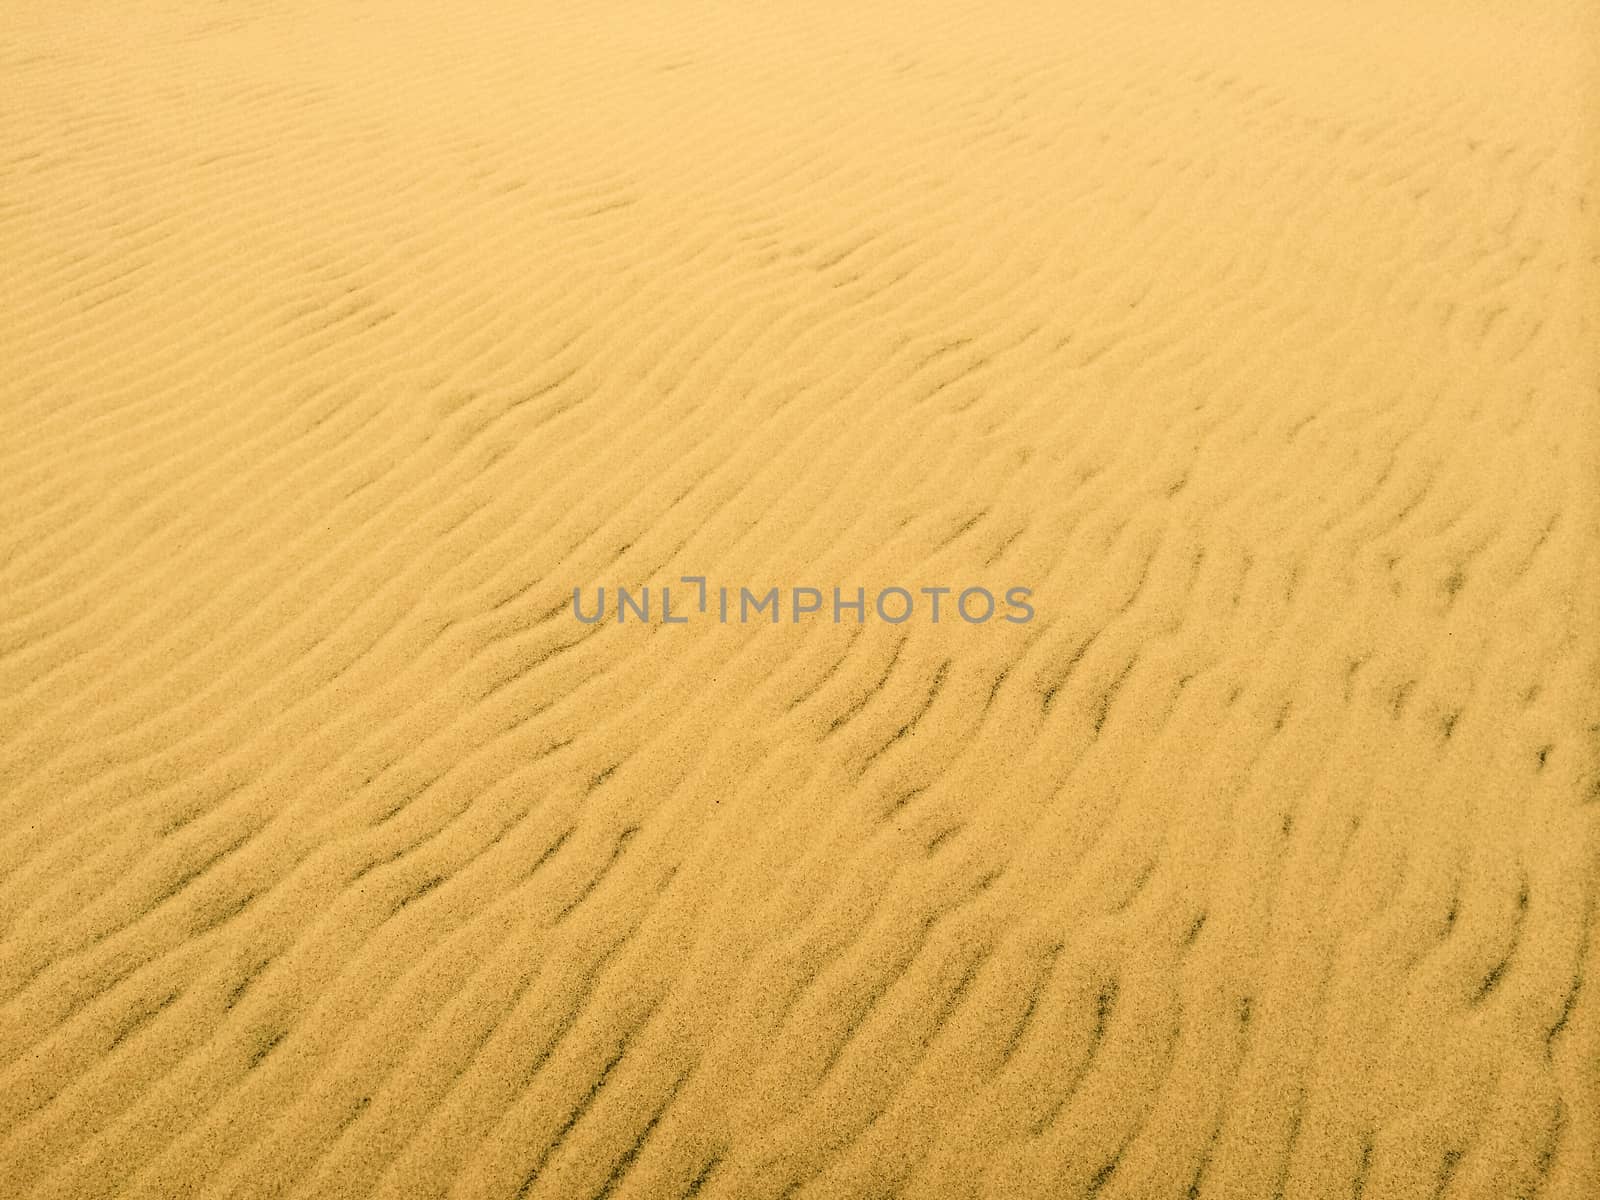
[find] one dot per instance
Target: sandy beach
(822, 600)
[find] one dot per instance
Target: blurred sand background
(341, 341)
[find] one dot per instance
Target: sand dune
(344, 341)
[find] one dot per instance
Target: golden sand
(342, 341)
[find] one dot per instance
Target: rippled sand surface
(343, 341)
